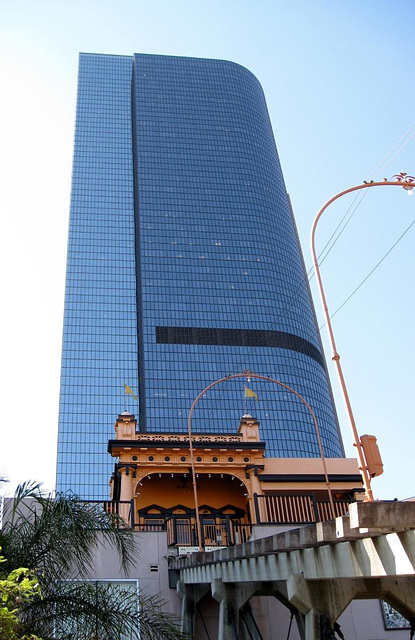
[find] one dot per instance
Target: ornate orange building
(237, 485)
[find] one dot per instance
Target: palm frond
(58, 537)
(79, 610)
(57, 540)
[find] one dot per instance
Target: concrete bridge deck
(316, 571)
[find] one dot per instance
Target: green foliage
(57, 539)
(18, 588)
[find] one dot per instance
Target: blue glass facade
(183, 265)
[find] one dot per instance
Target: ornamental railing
(235, 438)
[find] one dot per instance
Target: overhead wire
(370, 272)
(375, 172)
(399, 151)
(300, 289)
(381, 166)
(358, 198)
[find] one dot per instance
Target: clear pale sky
(338, 78)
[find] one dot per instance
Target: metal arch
(249, 374)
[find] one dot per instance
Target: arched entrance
(164, 501)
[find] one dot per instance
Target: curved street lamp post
(399, 180)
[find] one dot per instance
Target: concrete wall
(151, 551)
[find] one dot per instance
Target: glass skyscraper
(184, 266)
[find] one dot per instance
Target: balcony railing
(296, 509)
(181, 530)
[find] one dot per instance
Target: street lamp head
(408, 182)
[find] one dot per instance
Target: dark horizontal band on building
(237, 338)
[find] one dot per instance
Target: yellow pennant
(249, 393)
(127, 389)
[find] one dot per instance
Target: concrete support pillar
(398, 591)
(187, 621)
(312, 625)
(235, 617)
(227, 625)
(248, 627)
(321, 604)
(190, 595)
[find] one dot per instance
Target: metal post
(132, 513)
(407, 183)
(174, 530)
(257, 512)
(315, 507)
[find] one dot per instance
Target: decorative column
(254, 488)
(249, 428)
(126, 493)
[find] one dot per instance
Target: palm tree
(56, 540)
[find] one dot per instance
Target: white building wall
(362, 620)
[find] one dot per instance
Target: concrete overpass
(315, 571)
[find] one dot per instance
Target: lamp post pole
(250, 374)
(407, 183)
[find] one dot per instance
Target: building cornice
(199, 442)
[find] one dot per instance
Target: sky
(340, 92)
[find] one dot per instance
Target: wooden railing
(296, 509)
(286, 509)
(341, 508)
(181, 532)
